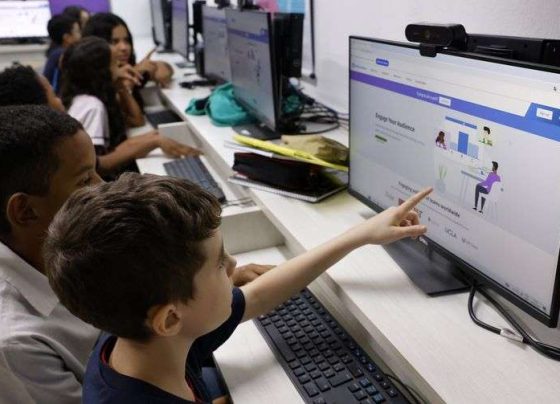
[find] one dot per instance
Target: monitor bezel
(275, 86)
(212, 76)
(22, 38)
(188, 43)
(549, 319)
(153, 4)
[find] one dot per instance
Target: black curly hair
(19, 85)
(28, 136)
(86, 69)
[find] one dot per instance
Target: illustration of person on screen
(485, 186)
(440, 140)
(486, 138)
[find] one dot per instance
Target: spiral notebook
(333, 182)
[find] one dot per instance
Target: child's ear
(165, 320)
(20, 211)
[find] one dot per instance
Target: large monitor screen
(216, 55)
(24, 19)
(158, 21)
(250, 52)
(486, 136)
(180, 27)
(93, 6)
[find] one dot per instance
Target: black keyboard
(325, 364)
(191, 168)
(160, 117)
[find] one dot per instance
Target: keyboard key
(323, 384)
(364, 382)
(385, 385)
(299, 371)
(310, 366)
(315, 374)
(392, 393)
(371, 390)
(305, 360)
(311, 389)
(294, 365)
(319, 359)
(360, 395)
(355, 369)
(338, 367)
(371, 368)
(319, 400)
(346, 359)
(378, 398)
(354, 387)
(324, 366)
(378, 377)
(367, 401)
(333, 360)
(304, 379)
(296, 347)
(329, 373)
(281, 344)
(340, 379)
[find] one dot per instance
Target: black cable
(416, 397)
(549, 351)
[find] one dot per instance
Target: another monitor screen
(486, 136)
(93, 6)
(158, 22)
(251, 66)
(180, 27)
(24, 19)
(214, 31)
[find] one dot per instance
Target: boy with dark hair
(21, 85)
(44, 156)
(63, 32)
(143, 259)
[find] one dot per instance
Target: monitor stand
(257, 131)
(429, 270)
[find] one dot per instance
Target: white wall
(337, 19)
(137, 15)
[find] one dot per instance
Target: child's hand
(392, 224)
(248, 273)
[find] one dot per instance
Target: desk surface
(430, 343)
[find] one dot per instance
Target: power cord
(519, 335)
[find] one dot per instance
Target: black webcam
(434, 36)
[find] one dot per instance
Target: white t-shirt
(92, 114)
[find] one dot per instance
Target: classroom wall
(337, 19)
(386, 19)
(137, 15)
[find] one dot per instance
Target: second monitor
(265, 51)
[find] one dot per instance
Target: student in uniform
(114, 30)
(63, 32)
(44, 156)
(92, 84)
(109, 241)
(21, 85)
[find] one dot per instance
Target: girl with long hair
(114, 30)
(91, 83)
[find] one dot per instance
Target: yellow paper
(286, 151)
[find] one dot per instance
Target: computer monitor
(161, 23)
(180, 27)
(485, 134)
(216, 56)
(93, 6)
(253, 68)
(24, 19)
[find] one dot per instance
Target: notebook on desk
(332, 183)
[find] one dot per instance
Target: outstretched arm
(285, 280)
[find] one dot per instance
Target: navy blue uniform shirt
(104, 385)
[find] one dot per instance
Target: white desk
(430, 343)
